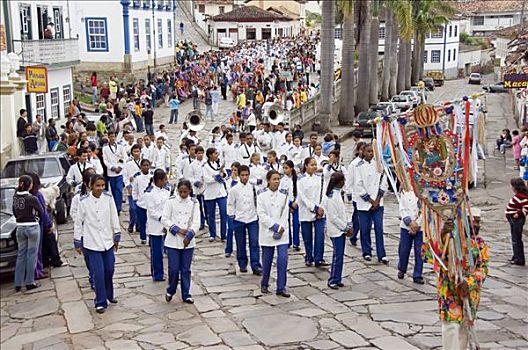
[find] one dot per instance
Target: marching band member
(311, 214)
(272, 207)
(296, 153)
(246, 149)
(320, 159)
(97, 232)
(231, 182)
(284, 149)
(242, 209)
(309, 149)
(185, 169)
(336, 226)
(289, 183)
(351, 191)
(132, 167)
(76, 171)
(332, 166)
(229, 154)
(215, 193)
(161, 155)
(370, 186)
(142, 181)
(156, 197)
(147, 152)
(272, 163)
(114, 156)
(257, 173)
(94, 160)
(181, 218)
(196, 178)
(264, 139)
(279, 136)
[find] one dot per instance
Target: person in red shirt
(93, 82)
(516, 211)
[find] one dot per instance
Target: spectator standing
(208, 100)
(39, 128)
(30, 140)
(516, 145)
(21, 128)
(148, 118)
(181, 28)
(51, 135)
(215, 96)
(174, 105)
(93, 82)
(516, 211)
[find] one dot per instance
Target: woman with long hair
(516, 212)
(289, 183)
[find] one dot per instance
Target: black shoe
(257, 273)
(384, 260)
(264, 290)
(18, 289)
(367, 258)
(202, 227)
(168, 297)
(284, 293)
(227, 255)
(32, 286)
(100, 309)
(418, 280)
(519, 263)
(308, 263)
(113, 301)
(296, 248)
(160, 280)
(130, 229)
(143, 242)
(340, 285)
(189, 301)
(321, 263)
(401, 275)
(354, 243)
(333, 286)
(243, 270)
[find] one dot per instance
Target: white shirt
(229, 153)
(329, 169)
(132, 167)
(184, 213)
(241, 203)
(408, 208)
(307, 151)
(336, 215)
(96, 164)
(148, 153)
(272, 209)
(257, 176)
(245, 151)
(161, 158)
(155, 200)
(185, 166)
(139, 185)
(264, 140)
(212, 188)
(310, 194)
(75, 173)
(351, 176)
(96, 222)
(368, 184)
(319, 160)
(114, 156)
(196, 174)
(286, 183)
(296, 155)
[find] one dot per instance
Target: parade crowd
(268, 184)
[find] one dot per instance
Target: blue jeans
(240, 237)
(365, 224)
(404, 250)
(180, 267)
(229, 238)
(116, 187)
(149, 129)
(139, 123)
(102, 265)
(282, 266)
(355, 224)
(294, 228)
(210, 206)
(156, 257)
(209, 112)
(28, 239)
(313, 243)
(132, 212)
(51, 145)
(173, 116)
(336, 269)
(141, 215)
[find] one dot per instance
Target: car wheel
(60, 212)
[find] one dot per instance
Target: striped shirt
(518, 204)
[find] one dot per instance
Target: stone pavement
(374, 310)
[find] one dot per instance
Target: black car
(52, 169)
(498, 87)
(8, 246)
(429, 84)
(364, 123)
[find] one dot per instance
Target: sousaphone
(275, 114)
(195, 121)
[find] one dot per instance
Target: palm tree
(393, 62)
(327, 64)
(387, 54)
(364, 16)
(403, 15)
(347, 98)
(373, 53)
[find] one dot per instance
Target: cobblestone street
(374, 310)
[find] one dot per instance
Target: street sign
(37, 79)
(515, 81)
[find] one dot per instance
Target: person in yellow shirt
(259, 97)
(297, 99)
(241, 99)
(113, 87)
(304, 96)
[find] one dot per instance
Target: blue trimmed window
(136, 4)
(160, 33)
(135, 28)
(146, 4)
(169, 33)
(96, 34)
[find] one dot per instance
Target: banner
(37, 79)
(515, 81)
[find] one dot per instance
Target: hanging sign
(37, 79)
(515, 81)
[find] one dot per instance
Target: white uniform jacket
(351, 178)
(329, 169)
(196, 176)
(155, 199)
(286, 184)
(148, 153)
(114, 156)
(336, 215)
(296, 156)
(75, 173)
(409, 209)
(242, 202)
(96, 223)
(284, 149)
(229, 153)
(264, 141)
(272, 209)
(214, 182)
(161, 158)
(186, 169)
(139, 186)
(245, 151)
(185, 214)
(310, 194)
(307, 151)
(369, 184)
(132, 167)
(257, 176)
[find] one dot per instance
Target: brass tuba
(195, 121)
(275, 114)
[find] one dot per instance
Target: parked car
(51, 168)
(429, 84)
(437, 76)
(421, 93)
(415, 98)
(363, 123)
(402, 102)
(497, 87)
(8, 244)
(226, 43)
(474, 78)
(385, 107)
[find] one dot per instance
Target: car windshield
(399, 99)
(6, 200)
(43, 167)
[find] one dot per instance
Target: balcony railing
(62, 52)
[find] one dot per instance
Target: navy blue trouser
(203, 209)
(102, 268)
(294, 227)
(210, 206)
(282, 266)
(180, 267)
(355, 224)
(365, 224)
(142, 222)
(240, 238)
(313, 238)
(156, 257)
(229, 238)
(404, 250)
(132, 211)
(336, 270)
(116, 187)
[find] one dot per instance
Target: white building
(251, 23)
(203, 9)
(486, 17)
(502, 38)
(441, 48)
(27, 22)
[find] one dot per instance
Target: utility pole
(522, 17)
